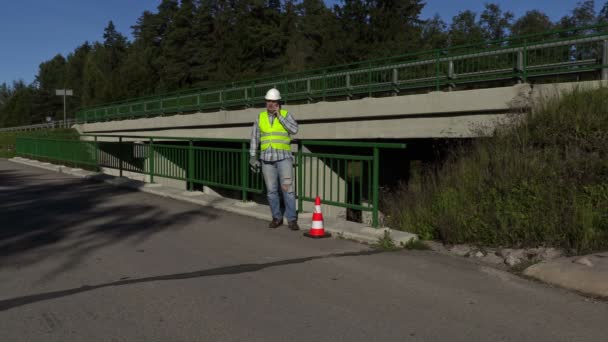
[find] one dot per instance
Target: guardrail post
(95, 152)
(179, 103)
(375, 186)
(244, 171)
(605, 60)
(151, 159)
(437, 86)
(369, 80)
(451, 74)
(190, 177)
(221, 100)
(520, 64)
(324, 84)
(348, 95)
(286, 91)
(120, 155)
(300, 180)
(525, 61)
(394, 81)
(308, 94)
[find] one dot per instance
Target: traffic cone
(316, 230)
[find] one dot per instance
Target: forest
(201, 43)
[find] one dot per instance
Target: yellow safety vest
(274, 135)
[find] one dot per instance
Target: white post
(64, 112)
(64, 93)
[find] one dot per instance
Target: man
(272, 131)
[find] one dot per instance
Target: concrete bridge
(448, 114)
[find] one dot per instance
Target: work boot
(293, 225)
(275, 223)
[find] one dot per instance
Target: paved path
(83, 261)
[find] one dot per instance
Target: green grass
(416, 244)
(385, 243)
(540, 182)
(8, 139)
(7, 144)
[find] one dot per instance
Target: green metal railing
(72, 151)
(576, 50)
(348, 180)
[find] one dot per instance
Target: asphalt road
(84, 261)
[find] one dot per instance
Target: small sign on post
(64, 93)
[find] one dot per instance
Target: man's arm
(289, 122)
(255, 139)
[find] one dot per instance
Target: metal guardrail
(343, 180)
(58, 124)
(554, 53)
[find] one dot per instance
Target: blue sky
(34, 31)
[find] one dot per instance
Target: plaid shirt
(271, 154)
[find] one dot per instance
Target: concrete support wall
(161, 159)
(136, 160)
(326, 191)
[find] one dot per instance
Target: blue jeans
(273, 172)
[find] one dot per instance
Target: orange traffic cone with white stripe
(316, 230)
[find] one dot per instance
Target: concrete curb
(338, 228)
(590, 277)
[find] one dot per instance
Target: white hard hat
(273, 95)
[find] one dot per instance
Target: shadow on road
(47, 214)
(11, 303)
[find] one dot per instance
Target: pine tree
(494, 22)
(530, 23)
(178, 49)
(51, 76)
(434, 34)
(464, 29)
(75, 64)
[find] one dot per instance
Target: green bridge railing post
(151, 157)
(300, 180)
(244, 171)
(120, 156)
(369, 79)
(375, 185)
(191, 166)
(95, 151)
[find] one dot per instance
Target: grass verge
(540, 180)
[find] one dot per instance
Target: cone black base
(325, 235)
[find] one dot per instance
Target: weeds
(541, 180)
(386, 242)
(416, 244)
